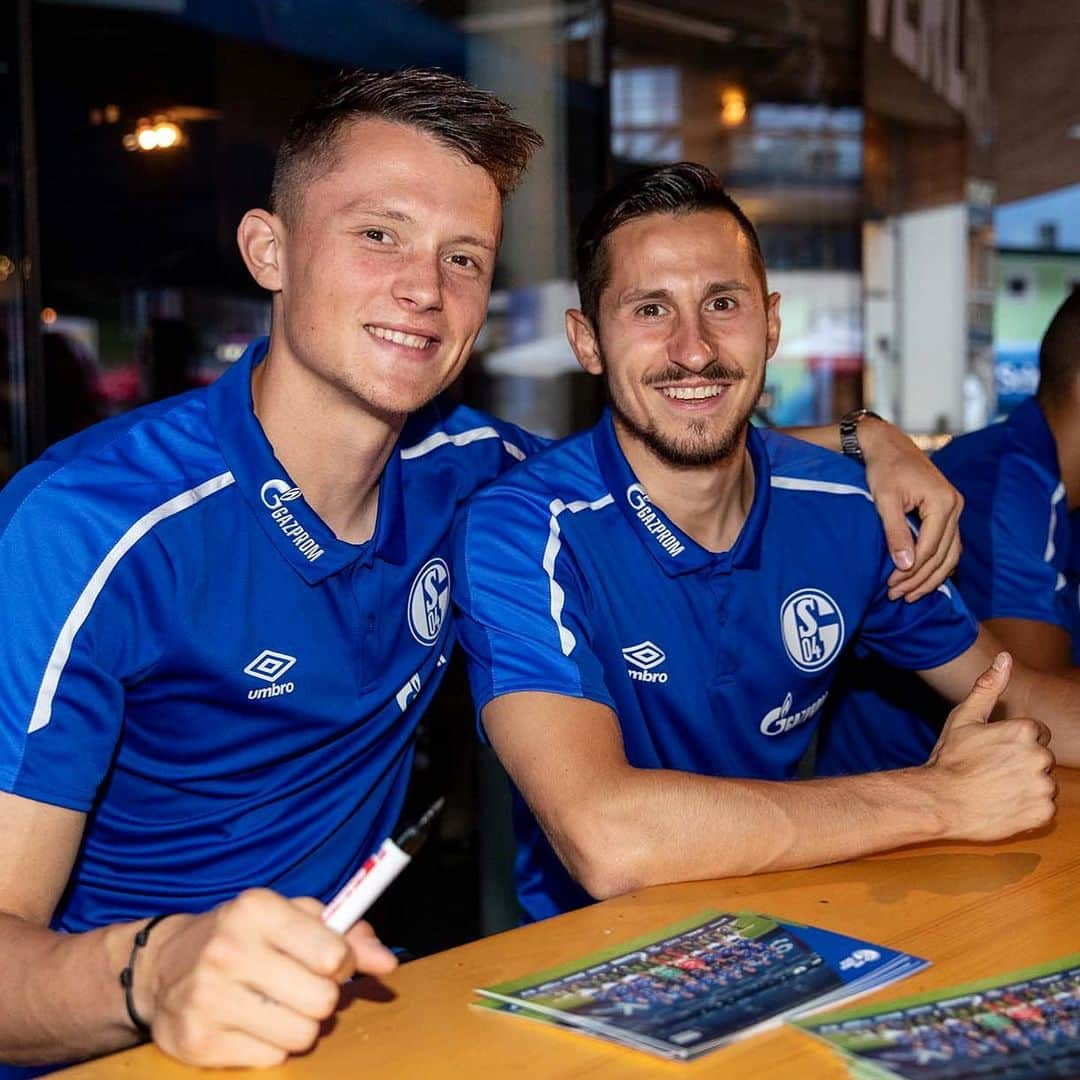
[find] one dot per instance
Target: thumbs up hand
(992, 779)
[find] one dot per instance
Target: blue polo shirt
(194, 660)
(1021, 560)
(570, 581)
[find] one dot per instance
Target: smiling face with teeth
(383, 274)
(684, 333)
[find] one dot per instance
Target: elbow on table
(606, 862)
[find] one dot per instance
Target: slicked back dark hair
(683, 188)
(1059, 354)
(455, 113)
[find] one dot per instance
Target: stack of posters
(1021, 1026)
(702, 983)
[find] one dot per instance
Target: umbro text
(647, 676)
(271, 691)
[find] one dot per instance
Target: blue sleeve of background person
(1026, 557)
(510, 571)
(877, 717)
(62, 706)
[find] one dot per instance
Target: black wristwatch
(849, 433)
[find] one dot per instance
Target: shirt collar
(1028, 423)
(675, 551)
(301, 537)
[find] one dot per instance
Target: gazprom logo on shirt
(777, 721)
(408, 693)
(653, 522)
(274, 495)
(429, 598)
(812, 626)
(276, 492)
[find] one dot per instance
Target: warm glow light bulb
(732, 106)
(168, 134)
(147, 138)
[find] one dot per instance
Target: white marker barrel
(365, 887)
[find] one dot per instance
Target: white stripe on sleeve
(42, 713)
(567, 641)
(462, 438)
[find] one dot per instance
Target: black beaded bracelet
(127, 976)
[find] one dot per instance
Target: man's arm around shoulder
(902, 479)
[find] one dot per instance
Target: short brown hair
(682, 188)
(473, 122)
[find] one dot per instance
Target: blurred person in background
(1020, 568)
(73, 399)
(171, 353)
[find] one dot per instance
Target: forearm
(1054, 701)
(656, 826)
(826, 436)
(62, 999)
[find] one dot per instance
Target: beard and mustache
(697, 445)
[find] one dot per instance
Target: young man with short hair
(653, 610)
(227, 609)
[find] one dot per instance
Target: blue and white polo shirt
(193, 659)
(569, 580)
(1021, 560)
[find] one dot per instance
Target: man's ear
(582, 338)
(260, 237)
(772, 324)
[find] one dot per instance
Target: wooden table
(974, 910)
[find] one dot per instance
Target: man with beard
(653, 609)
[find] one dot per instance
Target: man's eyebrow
(732, 285)
(362, 206)
(477, 241)
(635, 296)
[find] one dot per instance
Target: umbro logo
(643, 657)
(269, 666)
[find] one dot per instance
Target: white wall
(931, 317)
